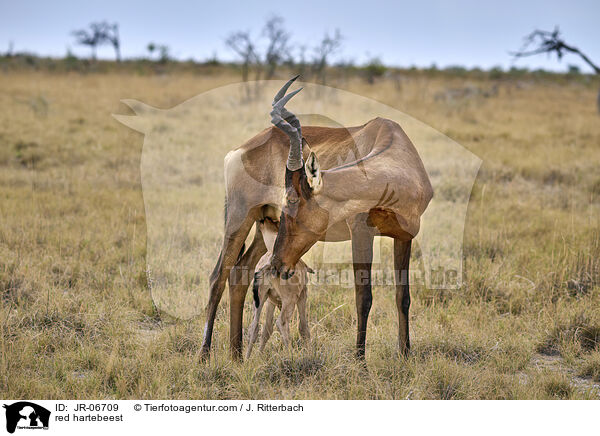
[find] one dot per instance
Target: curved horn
(281, 103)
(288, 123)
(284, 89)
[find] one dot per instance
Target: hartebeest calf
(271, 290)
(383, 192)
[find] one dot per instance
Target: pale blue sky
(402, 33)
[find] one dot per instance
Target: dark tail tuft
(255, 286)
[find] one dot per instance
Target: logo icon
(26, 415)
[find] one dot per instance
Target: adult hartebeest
(385, 192)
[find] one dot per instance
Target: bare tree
(112, 35)
(327, 47)
(100, 33)
(544, 41)
(241, 43)
(277, 47)
(278, 51)
(90, 38)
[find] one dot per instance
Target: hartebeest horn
(288, 123)
(284, 89)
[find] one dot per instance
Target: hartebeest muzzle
(278, 268)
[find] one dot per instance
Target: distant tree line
(258, 56)
(265, 53)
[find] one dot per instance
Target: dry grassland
(77, 320)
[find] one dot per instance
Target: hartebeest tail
(255, 286)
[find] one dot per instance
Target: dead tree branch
(277, 47)
(241, 43)
(328, 46)
(545, 41)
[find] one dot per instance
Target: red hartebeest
(385, 192)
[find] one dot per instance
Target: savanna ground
(77, 320)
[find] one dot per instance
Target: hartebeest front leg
(239, 282)
(232, 245)
(288, 305)
(362, 259)
(401, 273)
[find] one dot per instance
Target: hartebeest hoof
(204, 354)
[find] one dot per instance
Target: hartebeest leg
(362, 258)
(232, 245)
(239, 281)
(254, 327)
(302, 319)
(268, 328)
(401, 273)
(288, 304)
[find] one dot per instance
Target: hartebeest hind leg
(302, 319)
(362, 259)
(401, 273)
(268, 327)
(255, 326)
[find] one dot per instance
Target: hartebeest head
(303, 222)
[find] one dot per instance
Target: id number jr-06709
(96, 407)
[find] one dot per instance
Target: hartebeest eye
(292, 199)
(291, 202)
(291, 196)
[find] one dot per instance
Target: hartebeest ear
(313, 173)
